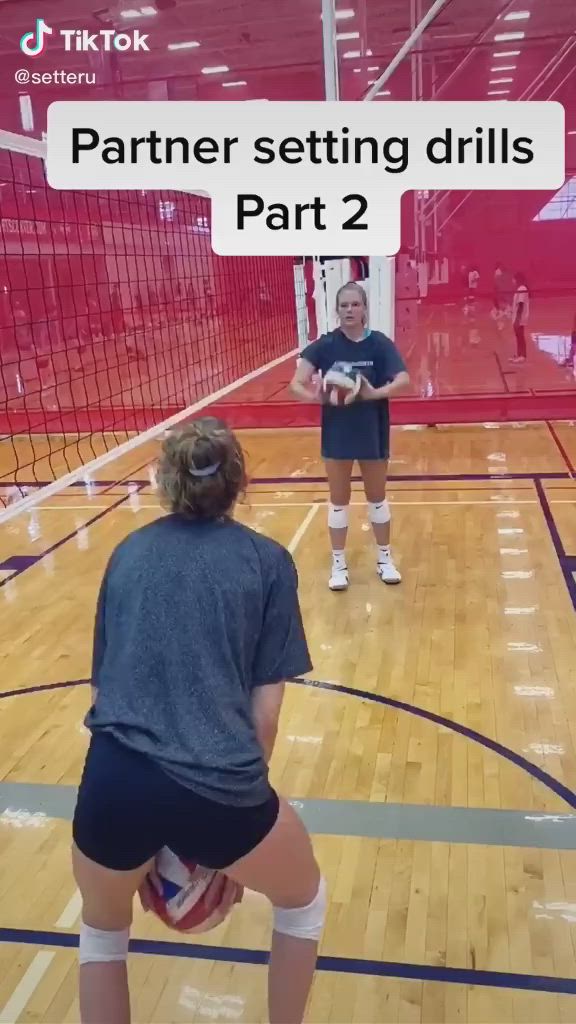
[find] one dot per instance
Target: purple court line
(44, 687)
(332, 964)
(566, 794)
(415, 477)
(567, 562)
(561, 449)
(404, 490)
(518, 760)
(26, 562)
(128, 478)
(412, 477)
(417, 972)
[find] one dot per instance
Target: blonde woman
(358, 431)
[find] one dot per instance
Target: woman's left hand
(367, 391)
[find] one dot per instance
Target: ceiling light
(218, 69)
(357, 71)
(571, 133)
(516, 16)
(505, 67)
(506, 53)
(500, 81)
(347, 35)
(232, 85)
(148, 11)
(373, 69)
(351, 53)
(504, 36)
(383, 92)
(190, 44)
(130, 13)
(498, 92)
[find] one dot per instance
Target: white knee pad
(98, 947)
(379, 512)
(337, 516)
(303, 922)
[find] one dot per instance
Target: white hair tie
(206, 471)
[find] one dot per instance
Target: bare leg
(283, 868)
(374, 474)
(107, 898)
(339, 473)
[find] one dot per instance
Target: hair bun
(201, 472)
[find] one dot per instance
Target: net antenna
(117, 321)
(330, 275)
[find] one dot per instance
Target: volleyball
(187, 897)
(339, 384)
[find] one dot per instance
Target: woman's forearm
(303, 391)
(395, 387)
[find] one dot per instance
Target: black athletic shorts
(128, 808)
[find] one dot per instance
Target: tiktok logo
(32, 43)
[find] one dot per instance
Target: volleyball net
(118, 320)
(116, 316)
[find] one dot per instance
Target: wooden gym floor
(432, 753)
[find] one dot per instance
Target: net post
(331, 83)
(382, 294)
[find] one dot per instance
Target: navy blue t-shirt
(191, 617)
(360, 430)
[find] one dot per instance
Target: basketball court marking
(334, 809)
(19, 563)
(366, 819)
(26, 987)
(567, 562)
(542, 776)
(71, 911)
(333, 964)
(130, 478)
(561, 449)
(22, 562)
(30, 980)
(292, 546)
(54, 486)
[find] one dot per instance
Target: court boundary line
(11, 511)
(566, 458)
(332, 964)
(542, 776)
(27, 562)
(537, 773)
(392, 477)
(63, 540)
(566, 562)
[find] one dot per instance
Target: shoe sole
(337, 589)
(389, 583)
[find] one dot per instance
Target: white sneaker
(339, 579)
(388, 572)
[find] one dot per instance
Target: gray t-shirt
(191, 617)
